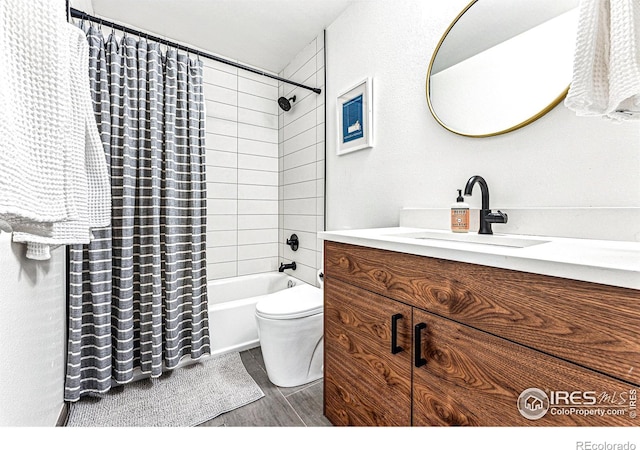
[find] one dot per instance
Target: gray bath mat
(187, 396)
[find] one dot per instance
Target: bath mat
(184, 397)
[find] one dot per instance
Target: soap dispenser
(460, 215)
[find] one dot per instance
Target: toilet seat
(292, 303)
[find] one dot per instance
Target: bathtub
(232, 306)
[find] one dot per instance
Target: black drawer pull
(395, 348)
(419, 360)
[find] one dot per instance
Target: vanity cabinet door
(365, 382)
(474, 378)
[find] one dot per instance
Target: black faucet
(486, 216)
(287, 266)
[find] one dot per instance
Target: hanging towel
(606, 67)
(34, 84)
(90, 188)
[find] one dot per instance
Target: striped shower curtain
(138, 292)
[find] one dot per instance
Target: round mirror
(502, 64)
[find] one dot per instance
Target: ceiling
(267, 34)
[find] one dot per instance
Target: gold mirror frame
(531, 119)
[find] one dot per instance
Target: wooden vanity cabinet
(365, 383)
(467, 377)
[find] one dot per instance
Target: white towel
(606, 67)
(34, 84)
(89, 187)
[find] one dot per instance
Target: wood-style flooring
(300, 406)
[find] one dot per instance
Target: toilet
(290, 328)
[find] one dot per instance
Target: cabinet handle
(395, 348)
(419, 360)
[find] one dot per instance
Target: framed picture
(355, 118)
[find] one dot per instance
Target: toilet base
(291, 361)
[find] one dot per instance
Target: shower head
(286, 104)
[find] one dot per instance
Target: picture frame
(355, 118)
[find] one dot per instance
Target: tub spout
(283, 266)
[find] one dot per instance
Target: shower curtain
(138, 291)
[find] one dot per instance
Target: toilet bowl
(290, 329)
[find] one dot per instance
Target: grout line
(292, 408)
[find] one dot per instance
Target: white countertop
(615, 263)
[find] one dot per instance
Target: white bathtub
(232, 306)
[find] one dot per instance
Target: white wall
(32, 336)
(558, 161)
(302, 161)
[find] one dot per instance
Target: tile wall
(301, 152)
(242, 171)
(265, 168)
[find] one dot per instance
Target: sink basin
(474, 238)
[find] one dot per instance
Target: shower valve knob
(293, 242)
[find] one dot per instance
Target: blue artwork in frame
(355, 118)
(352, 123)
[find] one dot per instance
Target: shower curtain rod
(76, 13)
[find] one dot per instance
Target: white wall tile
(247, 131)
(319, 60)
(320, 114)
(257, 251)
(222, 254)
(301, 107)
(222, 270)
(255, 162)
(300, 256)
(219, 222)
(213, 64)
(257, 221)
(219, 94)
(258, 206)
(266, 105)
(260, 78)
(219, 158)
(257, 177)
(221, 78)
(222, 238)
(262, 168)
(222, 174)
(301, 157)
(220, 142)
(257, 118)
(304, 273)
(220, 191)
(320, 219)
(302, 140)
(246, 237)
(300, 174)
(221, 126)
(320, 132)
(300, 222)
(257, 88)
(257, 266)
(253, 147)
(257, 192)
(305, 189)
(222, 111)
(300, 206)
(302, 124)
(320, 151)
